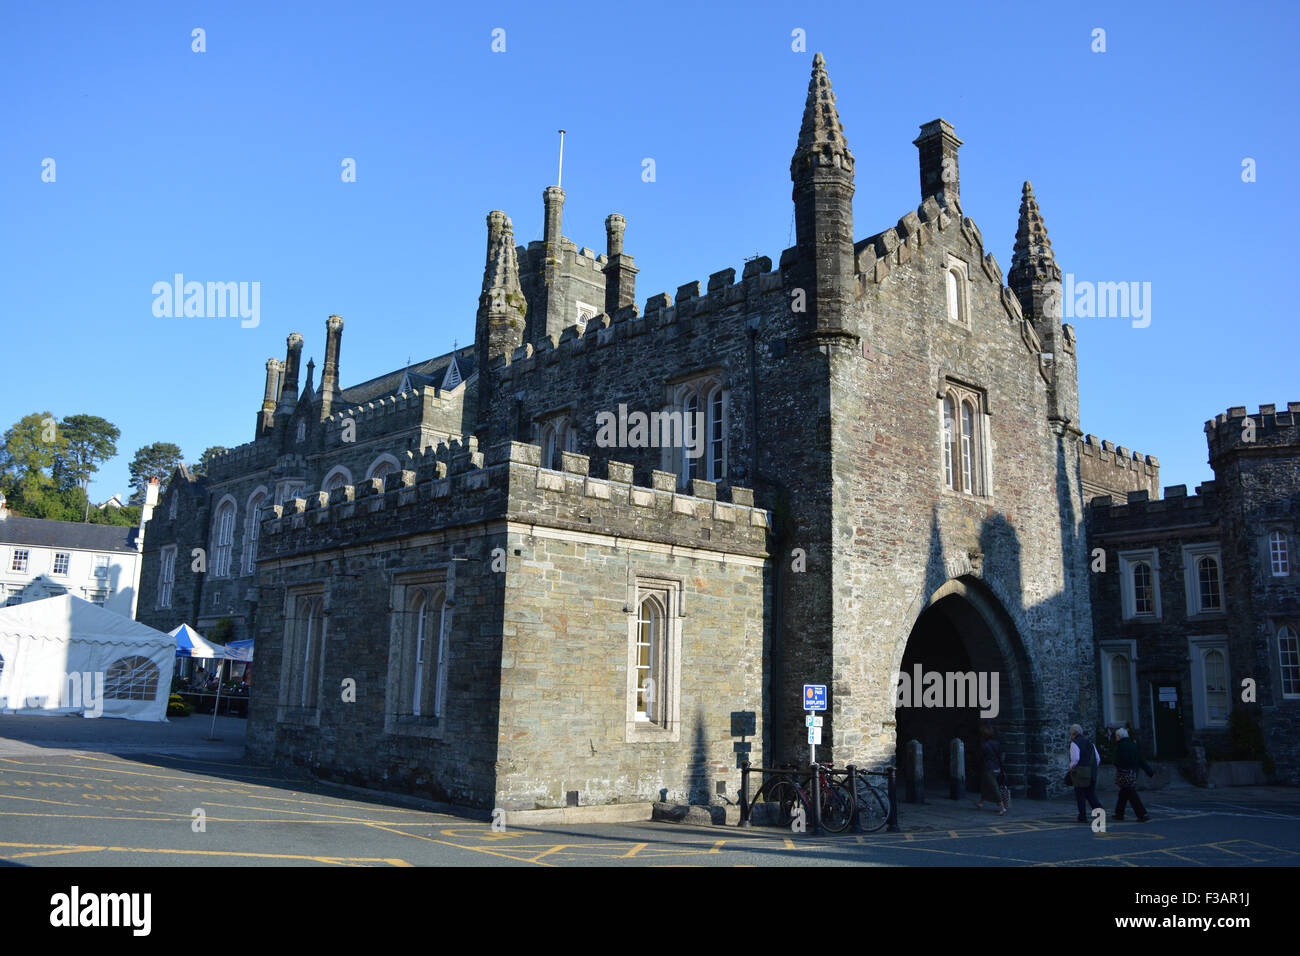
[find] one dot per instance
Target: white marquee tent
(64, 655)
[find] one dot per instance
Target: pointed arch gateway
(964, 629)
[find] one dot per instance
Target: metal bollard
(893, 800)
(855, 824)
(745, 811)
(817, 801)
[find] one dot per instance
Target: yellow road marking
(635, 850)
(459, 846)
(74, 848)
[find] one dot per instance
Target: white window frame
(586, 312)
(957, 306)
(398, 710)
(1287, 634)
(223, 536)
(1199, 646)
(253, 513)
(166, 575)
(953, 475)
(1192, 553)
(715, 402)
(300, 688)
(666, 727)
(67, 563)
(1278, 551)
(100, 565)
(1128, 597)
(1109, 651)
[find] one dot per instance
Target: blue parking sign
(814, 696)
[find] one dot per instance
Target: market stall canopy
(64, 655)
(190, 643)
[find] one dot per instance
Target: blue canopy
(190, 643)
(240, 650)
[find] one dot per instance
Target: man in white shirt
(1085, 762)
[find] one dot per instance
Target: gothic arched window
(223, 538)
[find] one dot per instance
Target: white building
(95, 562)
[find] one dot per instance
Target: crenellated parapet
(1137, 511)
(1267, 428)
(1112, 470)
(454, 485)
(242, 459)
(388, 412)
(664, 316)
(877, 256)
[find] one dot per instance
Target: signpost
(814, 699)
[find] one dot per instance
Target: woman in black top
(990, 779)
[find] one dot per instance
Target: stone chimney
(329, 375)
(266, 417)
(620, 273)
(938, 148)
(552, 317)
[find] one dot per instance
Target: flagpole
(217, 705)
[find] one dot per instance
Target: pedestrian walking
(1084, 761)
(993, 779)
(1128, 761)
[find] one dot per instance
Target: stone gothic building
(864, 459)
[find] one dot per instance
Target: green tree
(158, 460)
(28, 458)
(206, 459)
(89, 441)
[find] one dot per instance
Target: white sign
(814, 735)
(813, 720)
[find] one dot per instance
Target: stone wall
(538, 564)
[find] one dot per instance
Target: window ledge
(298, 716)
(432, 728)
(642, 731)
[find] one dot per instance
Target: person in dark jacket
(1128, 760)
(991, 787)
(1083, 757)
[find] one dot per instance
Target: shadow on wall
(975, 622)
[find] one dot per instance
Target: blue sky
(225, 166)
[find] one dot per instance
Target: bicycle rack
(890, 773)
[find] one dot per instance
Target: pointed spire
(308, 391)
(821, 133)
(1033, 254)
(501, 273)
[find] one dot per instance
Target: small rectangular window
(101, 565)
(20, 560)
(61, 560)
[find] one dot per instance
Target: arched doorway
(964, 664)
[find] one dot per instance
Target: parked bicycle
(872, 803)
(794, 791)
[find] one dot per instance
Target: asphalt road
(61, 808)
